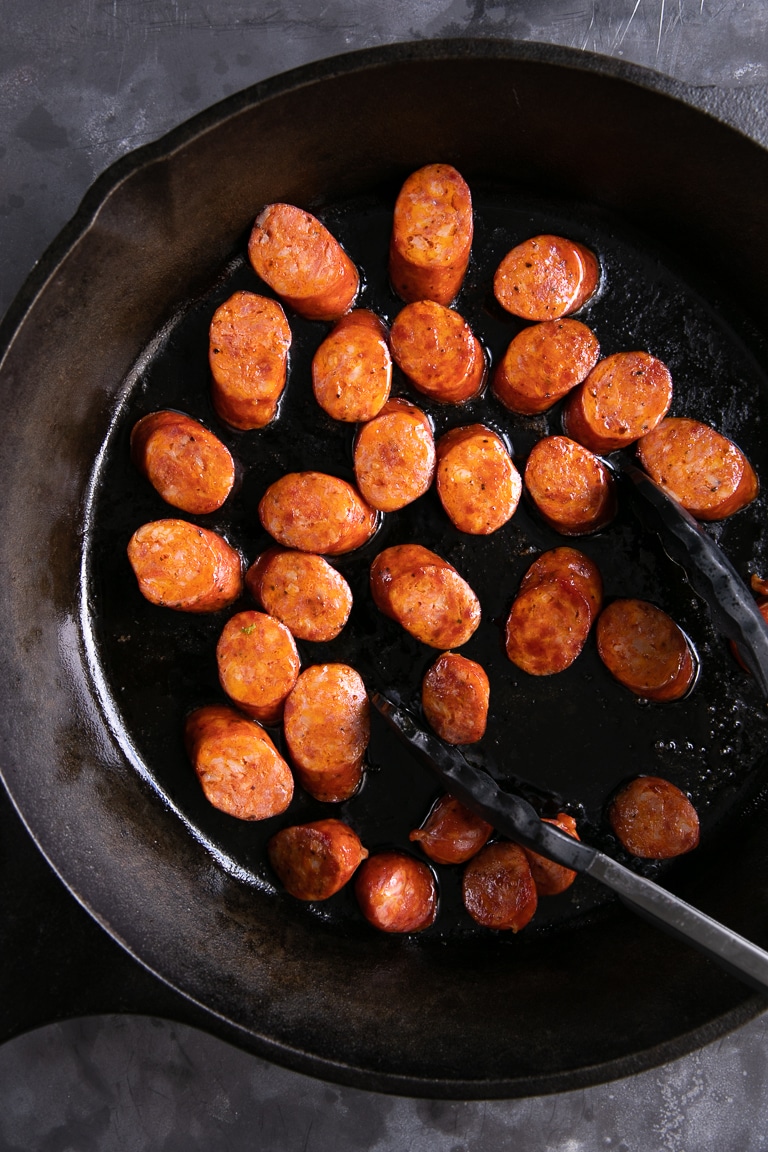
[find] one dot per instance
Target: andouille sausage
(302, 262)
(572, 489)
(314, 861)
(431, 235)
(395, 456)
(645, 650)
(545, 278)
(701, 468)
(550, 878)
(301, 590)
(624, 397)
(314, 512)
(498, 887)
(478, 485)
(451, 834)
(183, 461)
(571, 567)
(438, 352)
(547, 627)
(454, 695)
(327, 728)
(182, 566)
(396, 893)
(249, 341)
(653, 819)
(543, 363)
(352, 368)
(258, 664)
(239, 768)
(425, 594)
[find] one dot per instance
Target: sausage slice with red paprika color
(451, 834)
(438, 352)
(431, 235)
(352, 368)
(396, 893)
(425, 594)
(545, 278)
(624, 397)
(248, 353)
(239, 768)
(302, 262)
(314, 512)
(395, 456)
(314, 861)
(645, 650)
(303, 591)
(547, 627)
(653, 819)
(454, 696)
(498, 887)
(478, 485)
(550, 878)
(179, 565)
(572, 489)
(569, 566)
(702, 469)
(258, 664)
(184, 462)
(543, 363)
(327, 728)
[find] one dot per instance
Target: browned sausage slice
(425, 594)
(654, 819)
(645, 650)
(543, 363)
(352, 368)
(239, 768)
(702, 469)
(438, 352)
(184, 462)
(314, 512)
(547, 627)
(258, 664)
(498, 887)
(431, 235)
(550, 878)
(314, 861)
(454, 696)
(624, 397)
(302, 262)
(248, 353)
(478, 485)
(303, 591)
(569, 566)
(327, 728)
(395, 456)
(179, 565)
(391, 564)
(545, 278)
(396, 893)
(572, 489)
(451, 834)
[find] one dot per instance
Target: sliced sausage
(391, 564)
(239, 768)
(184, 462)
(431, 235)
(425, 594)
(258, 664)
(478, 485)
(569, 566)
(303, 591)
(547, 627)
(314, 861)
(248, 354)
(573, 491)
(396, 893)
(314, 512)
(702, 469)
(179, 565)
(352, 368)
(327, 728)
(545, 278)
(438, 352)
(454, 696)
(550, 878)
(302, 262)
(543, 363)
(451, 834)
(654, 819)
(395, 456)
(645, 650)
(498, 887)
(624, 397)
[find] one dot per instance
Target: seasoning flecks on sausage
(258, 664)
(327, 728)
(431, 235)
(571, 567)
(478, 485)
(425, 594)
(454, 696)
(185, 463)
(545, 278)
(248, 353)
(301, 590)
(624, 397)
(352, 368)
(572, 489)
(451, 834)
(645, 650)
(543, 363)
(395, 456)
(653, 819)
(314, 861)
(314, 512)
(550, 878)
(547, 627)
(438, 352)
(498, 887)
(396, 893)
(182, 566)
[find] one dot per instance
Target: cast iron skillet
(469, 1016)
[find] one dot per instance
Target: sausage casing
(301, 590)
(314, 512)
(624, 397)
(182, 566)
(498, 887)
(653, 819)
(545, 278)
(258, 664)
(396, 893)
(395, 456)
(352, 368)
(543, 363)
(478, 485)
(314, 861)
(249, 341)
(454, 696)
(572, 489)
(431, 235)
(438, 352)
(184, 462)
(327, 728)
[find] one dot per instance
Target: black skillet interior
(115, 325)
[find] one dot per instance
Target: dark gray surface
(81, 83)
